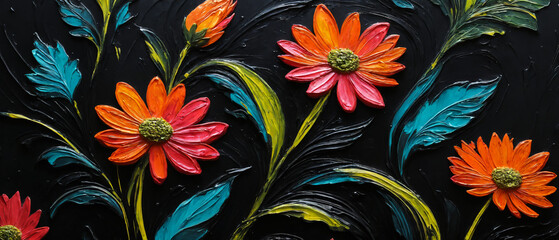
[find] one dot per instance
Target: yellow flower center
(343, 60)
(9, 232)
(506, 178)
(156, 129)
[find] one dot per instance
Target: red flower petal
(131, 102)
(298, 51)
(31, 222)
(366, 92)
(346, 94)
(24, 213)
(200, 151)
(174, 102)
(180, 161)
(322, 85)
(192, 113)
(305, 74)
(200, 133)
(296, 61)
(14, 205)
(157, 164)
(155, 96)
(371, 38)
(385, 46)
(36, 234)
(116, 139)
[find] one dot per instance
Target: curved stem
(136, 190)
(241, 231)
(177, 66)
(472, 229)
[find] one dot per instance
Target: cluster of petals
(13, 213)
(475, 165)
(212, 15)
(376, 53)
(189, 141)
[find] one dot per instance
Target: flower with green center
(343, 60)
(9, 232)
(155, 130)
(506, 178)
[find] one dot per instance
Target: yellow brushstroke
(177, 66)
(420, 211)
(308, 213)
(136, 190)
(472, 229)
(117, 51)
(469, 4)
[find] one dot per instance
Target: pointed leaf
(87, 195)
(79, 16)
(61, 156)
(56, 75)
(158, 53)
(123, 15)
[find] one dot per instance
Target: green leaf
(158, 53)
(473, 31)
(309, 213)
(516, 17)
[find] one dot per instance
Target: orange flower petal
(385, 46)
(495, 151)
(507, 149)
(156, 96)
(534, 200)
(296, 61)
(534, 163)
(484, 153)
(116, 139)
(351, 29)
(513, 209)
(459, 162)
(308, 41)
(130, 154)
(520, 154)
(390, 55)
(500, 199)
(470, 150)
(472, 180)
(117, 119)
(537, 190)
(174, 102)
(376, 80)
(472, 161)
(382, 68)
(538, 179)
(325, 27)
(480, 192)
(295, 49)
(131, 102)
(461, 170)
(522, 206)
(213, 38)
(157, 164)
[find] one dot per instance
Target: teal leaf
(61, 156)
(158, 53)
(435, 120)
(123, 15)
(56, 75)
(187, 220)
(87, 195)
(80, 17)
(403, 4)
(399, 217)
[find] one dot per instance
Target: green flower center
(343, 60)
(9, 232)
(156, 129)
(506, 178)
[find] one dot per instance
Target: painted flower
(15, 221)
(357, 63)
(511, 175)
(212, 16)
(163, 128)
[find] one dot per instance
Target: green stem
(241, 231)
(135, 190)
(472, 229)
(177, 66)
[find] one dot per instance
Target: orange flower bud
(212, 16)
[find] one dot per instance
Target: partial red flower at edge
(164, 129)
(16, 221)
(356, 62)
(511, 175)
(213, 15)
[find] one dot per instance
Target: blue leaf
(79, 16)
(241, 97)
(403, 4)
(190, 214)
(61, 156)
(87, 195)
(399, 217)
(56, 75)
(451, 110)
(123, 15)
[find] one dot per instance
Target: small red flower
(15, 221)
(163, 128)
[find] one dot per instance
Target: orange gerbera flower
(510, 174)
(212, 16)
(356, 63)
(15, 221)
(163, 128)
